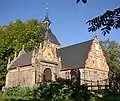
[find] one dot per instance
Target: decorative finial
(9, 63)
(22, 51)
(15, 55)
(23, 47)
(33, 57)
(33, 53)
(95, 36)
(9, 60)
(40, 47)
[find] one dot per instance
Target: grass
(1, 97)
(111, 96)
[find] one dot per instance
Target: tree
(13, 36)
(106, 22)
(84, 1)
(111, 51)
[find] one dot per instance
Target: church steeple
(46, 19)
(48, 33)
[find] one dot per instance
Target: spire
(46, 19)
(47, 10)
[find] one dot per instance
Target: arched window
(47, 75)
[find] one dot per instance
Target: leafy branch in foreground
(106, 22)
(84, 1)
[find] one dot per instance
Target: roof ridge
(76, 44)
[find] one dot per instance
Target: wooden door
(47, 75)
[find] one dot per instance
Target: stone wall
(66, 75)
(21, 76)
(47, 57)
(96, 67)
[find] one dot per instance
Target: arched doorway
(47, 75)
(75, 76)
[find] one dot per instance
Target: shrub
(60, 90)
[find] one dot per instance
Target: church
(50, 61)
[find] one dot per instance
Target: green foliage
(29, 33)
(83, 1)
(111, 51)
(106, 22)
(61, 90)
(19, 92)
(13, 36)
(1, 97)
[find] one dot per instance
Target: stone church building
(83, 60)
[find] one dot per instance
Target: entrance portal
(47, 75)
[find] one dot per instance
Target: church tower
(48, 34)
(48, 58)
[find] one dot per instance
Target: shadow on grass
(111, 96)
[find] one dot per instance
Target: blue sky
(68, 18)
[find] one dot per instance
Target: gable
(74, 56)
(96, 59)
(49, 52)
(23, 60)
